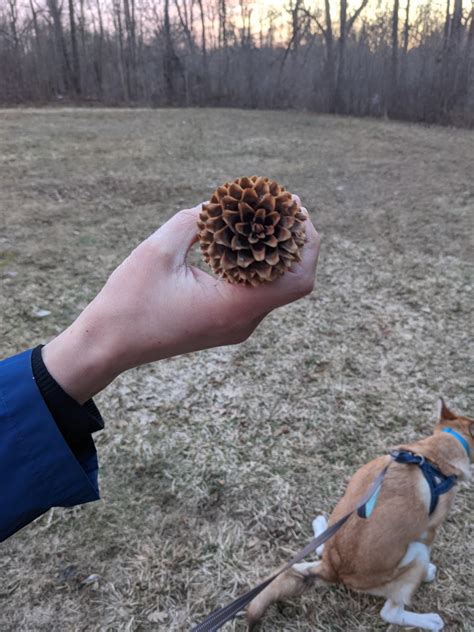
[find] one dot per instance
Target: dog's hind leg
(421, 552)
(291, 583)
(416, 563)
(320, 524)
(396, 614)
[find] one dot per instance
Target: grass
(203, 495)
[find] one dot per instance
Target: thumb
(178, 234)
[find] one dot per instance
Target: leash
(222, 615)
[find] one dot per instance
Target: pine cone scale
(213, 210)
(258, 251)
(223, 237)
(230, 218)
(268, 202)
(250, 196)
(242, 229)
(289, 246)
(228, 260)
(246, 212)
(244, 259)
(283, 234)
(236, 191)
(238, 243)
(272, 258)
(271, 241)
(272, 218)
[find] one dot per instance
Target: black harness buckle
(438, 482)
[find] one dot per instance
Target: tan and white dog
(387, 553)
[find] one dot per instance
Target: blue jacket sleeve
(37, 468)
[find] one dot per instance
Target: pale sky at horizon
(280, 4)
(282, 22)
(261, 8)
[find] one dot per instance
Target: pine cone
(251, 231)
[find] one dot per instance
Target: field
(213, 465)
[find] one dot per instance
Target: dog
(384, 549)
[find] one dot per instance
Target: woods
(401, 59)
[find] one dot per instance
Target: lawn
(213, 465)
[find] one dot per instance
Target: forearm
(81, 359)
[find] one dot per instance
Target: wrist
(80, 360)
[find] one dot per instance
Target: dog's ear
(471, 429)
(444, 413)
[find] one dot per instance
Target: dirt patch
(203, 494)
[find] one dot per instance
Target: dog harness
(438, 482)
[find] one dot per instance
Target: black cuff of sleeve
(75, 422)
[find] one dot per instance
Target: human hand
(155, 305)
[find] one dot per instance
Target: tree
(76, 69)
(393, 88)
(405, 59)
(334, 74)
(55, 11)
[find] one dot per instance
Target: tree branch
(351, 20)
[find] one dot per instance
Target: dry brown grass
(202, 496)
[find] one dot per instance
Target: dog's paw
(432, 622)
(430, 573)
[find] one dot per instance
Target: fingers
(313, 239)
(305, 270)
(175, 238)
(296, 198)
(310, 252)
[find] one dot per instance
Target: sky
(282, 23)
(261, 8)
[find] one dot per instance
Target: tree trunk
(98, 63)
(55, 12)
(203, 38)
(131, 52)
(406, 29)
(39, 76)
(393, 88)
(338, 104)
(329, 71)
(82, 34)
(171, 62)
(17, 48)
(124, 77)
(76, 69)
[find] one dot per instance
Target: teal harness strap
(366, 510)
(460, 438)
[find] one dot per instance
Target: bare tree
(76, 70)
(393, 88)
(131, 48)
(405, 60)
(98, 51)
(55, 11)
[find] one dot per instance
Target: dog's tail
(292, 583)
